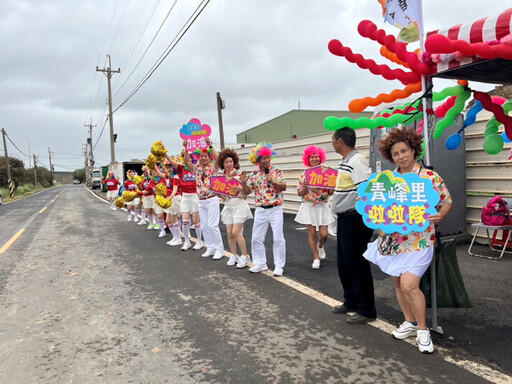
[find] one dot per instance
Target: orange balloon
(392, 56)
(359, 105)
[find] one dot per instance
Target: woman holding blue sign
(406, 256)
(314, 210)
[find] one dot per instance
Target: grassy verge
(21, 192)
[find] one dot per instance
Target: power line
(149, 45)
(126, 60)
(120, 22)
(169, 49)
(19, 150)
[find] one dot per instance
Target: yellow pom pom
(137, 180)
(163, 202)
(129, 196)
(158, 150)
(119, 202)
(161, 190)
(151, 162)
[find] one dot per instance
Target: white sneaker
(198, 246)
(405, 330)
(114, 209)
(278, 271)
(150, 226)
(135, 219)
(321, 253)
(242, 262)
(129, 218)
(316, 264)
(258, 268)
(141, 222)
(162, 234)
(425, 344)
(218, 255)
(208, 253)
(232, 260)
(186, 246)
(175, 242)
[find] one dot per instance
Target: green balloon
(493, 144)
(332, 123)
(451, 114)
(450, 91)
(491, 129)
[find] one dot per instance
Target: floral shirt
(416, 241)
(313, 195)
(266, 193)
(203, 175)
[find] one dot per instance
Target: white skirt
(317, 215)
(396, 265)
(235, 211)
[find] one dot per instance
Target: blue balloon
(505, 138)
(453, 142)
(471, 115)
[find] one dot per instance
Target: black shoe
(341, 309)
(359, 319)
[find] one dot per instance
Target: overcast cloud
(261, 55)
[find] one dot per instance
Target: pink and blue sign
(393, 202)
(195, 133)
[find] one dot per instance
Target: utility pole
(35, 170)
(89, 141)
(87, 176)
(220, 106)
(9, 180)
(108, 72)
(51, 166)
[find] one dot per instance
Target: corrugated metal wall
(487, 175)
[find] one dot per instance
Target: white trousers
(262, 218)
(209, 214)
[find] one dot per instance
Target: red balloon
(496, 109)
(442, 44)
(337, 48)
(446, 106)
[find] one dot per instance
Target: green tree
(44, 176)
(79, 174)
(17, 172)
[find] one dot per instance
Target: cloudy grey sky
(261, 55)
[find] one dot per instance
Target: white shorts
(159, 210)
(134, 203)
(316, 215)
(235, 211)
(189, 203)
(148, 202)
(112, 195)
(176, 205)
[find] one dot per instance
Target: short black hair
(348, 135)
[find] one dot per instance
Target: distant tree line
(22, 176)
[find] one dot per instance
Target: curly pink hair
(311, 150)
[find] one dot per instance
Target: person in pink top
(314, 210)
(112, 189)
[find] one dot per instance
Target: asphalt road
(87, 297)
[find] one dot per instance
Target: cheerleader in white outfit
(314, 210)
(236, 210)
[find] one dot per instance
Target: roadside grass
(21, 192)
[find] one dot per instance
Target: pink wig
(311, 150)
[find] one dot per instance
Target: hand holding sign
(225, 185)
(195, 134)
(393, 202)
(321, 177)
